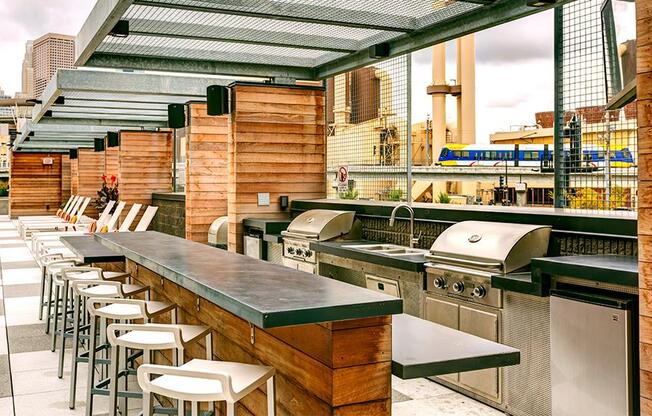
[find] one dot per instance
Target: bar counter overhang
(330, 342)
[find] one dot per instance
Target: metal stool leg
(271, 397)
(65, 296)
(55, 317)
(230, 409)
(41, 294)
(147, 404)
(75, 352)
(113, 386)
(48, 306)
(91, 366)
(194, 408)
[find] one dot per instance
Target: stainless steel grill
(460, 265)
(315, 225)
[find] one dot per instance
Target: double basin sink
(391, 250)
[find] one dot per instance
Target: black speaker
(61, 100)
(112, 139)
(121, 29)
(48, 113)
(217, 97)
(176, 116)
(99, 144)
(73, 153)
(378, 51)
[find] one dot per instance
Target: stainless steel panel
(444, 313)
(590, 359)
(491, 246)
(320, 224)
(382, 285)
(446, 280)
(253, 247)
(485, 325)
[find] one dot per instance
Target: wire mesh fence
(368, 127)
(598, 160)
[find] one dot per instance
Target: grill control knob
(308, 253)
(291, 250)
(440, 282)
(458, 287)
(479, 292)
(299, 252)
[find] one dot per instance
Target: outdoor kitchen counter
(613, 269)
(265, 294)
(411, 263)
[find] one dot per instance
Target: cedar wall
(145, 167)
(74, 177)
(276, 145)
(206, 171)
(90, 168)
(644, 111)
(65, 177)
(111, 161)
(35, 188)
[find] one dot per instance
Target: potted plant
(108, 192)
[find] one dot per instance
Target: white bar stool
(118, 310)
(206, 381)
(148, 338)
(53, 269)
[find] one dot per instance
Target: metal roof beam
(304, 13)
(499, 12)
(61, 110)
(174, 30)
(100, 21)
(106, 60)
(116, 105)
(101, 122)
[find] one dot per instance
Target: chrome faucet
(392, 219)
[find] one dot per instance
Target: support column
(35, 184)
(644, 114)
(90, 168)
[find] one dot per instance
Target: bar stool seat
(109, 291)
(136, 309)
(206, 381)
(151, 335)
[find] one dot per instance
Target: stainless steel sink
(392, 250)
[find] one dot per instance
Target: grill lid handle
(476, 263)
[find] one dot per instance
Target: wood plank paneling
(206, 171)
(644, 115)
(65, 177)
(90, 168)
(74, 176)
(35, 188)
(145, 167)
(276, 146)
(311, 376)
(111, 161)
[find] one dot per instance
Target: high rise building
(28, 71)
(49, 53)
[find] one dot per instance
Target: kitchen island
(330, 342)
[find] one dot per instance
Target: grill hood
(320, 224)
(490, 246)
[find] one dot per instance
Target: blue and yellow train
(533, 155)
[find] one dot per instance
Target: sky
(514, 77)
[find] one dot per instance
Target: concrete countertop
(90, 251)
(265, 294)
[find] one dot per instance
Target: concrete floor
(28, 375)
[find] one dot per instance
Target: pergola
(279, 39)
(80, 105)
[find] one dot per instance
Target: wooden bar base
(335, 368)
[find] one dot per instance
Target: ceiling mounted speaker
(378, 51)
(121, 29)
(48, 113)
(112, 139)
(176, 116)
(99, 144)
(60, 100)
(217, 98)
(73, 153)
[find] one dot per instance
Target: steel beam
(497, 13)
(125, 61)
(103, 123)
(174, 30)
(303, 13)
(101, 20)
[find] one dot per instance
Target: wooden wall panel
(74, 176)
(111, 161)
(35, 188)
(206, 171)
(90, 168)
(644, 114)
(276, 145)
(145, 167)
(65, 177)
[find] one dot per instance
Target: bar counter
(330, 342)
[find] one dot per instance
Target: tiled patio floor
(29, 384)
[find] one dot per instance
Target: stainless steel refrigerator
(591, 354)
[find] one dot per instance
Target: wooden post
(35, 184)
(206, 171)
(90, 168)
(644, 114)
(276, 147)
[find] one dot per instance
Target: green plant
(350, 194)
(4, 191)
(395, 195)
(443, 198)
(108, 192)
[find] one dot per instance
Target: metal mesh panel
(599, 157)
(368, 128)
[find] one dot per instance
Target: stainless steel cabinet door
(443, 313)
(485, 325)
